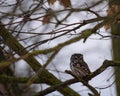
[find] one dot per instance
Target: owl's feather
(78, 66)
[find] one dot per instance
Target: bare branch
(106, 64)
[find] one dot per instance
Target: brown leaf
(49, 14)
(107, 26)
(65, 3)
(46, 19)
(114, 9)
(51, 1)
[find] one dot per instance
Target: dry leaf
(51, 1)
(46, 19)
(49, 14)
(114, 9)
(65, 3)
(107, 26)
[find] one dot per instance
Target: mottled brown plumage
(79, 66)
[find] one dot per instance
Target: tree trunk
(115, 31)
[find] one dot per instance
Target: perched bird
(79, 66)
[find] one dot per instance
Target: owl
(79, 66)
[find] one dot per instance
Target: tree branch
(12, 43)
(106, 64)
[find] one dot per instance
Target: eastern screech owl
(79, 66)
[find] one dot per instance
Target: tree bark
(115, 31)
